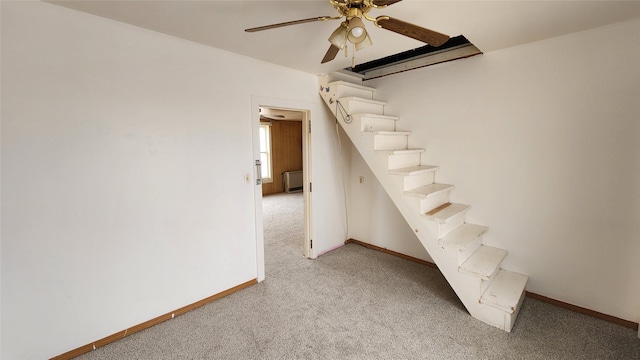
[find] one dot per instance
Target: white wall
(373, 218)
(330, 172)
(542, 141)
(123, 154)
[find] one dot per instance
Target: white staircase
(490, 293)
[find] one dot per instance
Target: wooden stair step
(424, 192)
(463, 236)
(505, 291)
(400, 151)
(362, 100)
(370, 122)
(443, 213)
(352, 85)
(389, 139)
(413, 170)
(392, 133)
(342, 89)
(484, 262)
(357, 104)
(376, 116)
(343, 75)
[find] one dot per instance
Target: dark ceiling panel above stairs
(456, 48)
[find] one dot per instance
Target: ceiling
(271, 113)
(490, 25)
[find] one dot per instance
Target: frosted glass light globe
(357, 31)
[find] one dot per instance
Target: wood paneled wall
(286, 149)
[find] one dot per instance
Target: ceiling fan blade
(331, 54)
(295, 22)
(430, 37)
(385, 2)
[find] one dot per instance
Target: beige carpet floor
(356, 303)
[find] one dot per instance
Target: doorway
(281, 110)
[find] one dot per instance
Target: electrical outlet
(247, 178)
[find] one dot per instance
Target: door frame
(284, 104)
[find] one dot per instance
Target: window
(265, 152)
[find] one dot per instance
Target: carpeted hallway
(356, 303)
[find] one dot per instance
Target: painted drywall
(542, 141)
(335, 163)
(123, 161)
(331, 160)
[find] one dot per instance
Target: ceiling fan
(352, 28)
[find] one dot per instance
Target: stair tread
(413, 170)
(428, 190)
(355, 86)
(464, 235)
(484, 262)
(379, 116)
(446, 213)
(356, 98)
(505, 291)
(391, 133)
(400, 151)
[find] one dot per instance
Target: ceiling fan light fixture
(364, 43)
(353, 30)
(356, 31)
(339, 36)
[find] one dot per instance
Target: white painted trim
(306, 180)
(257, 102)
(257, 190)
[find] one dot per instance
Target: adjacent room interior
(281, 154)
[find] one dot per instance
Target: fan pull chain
(353, 59)
(346, 44)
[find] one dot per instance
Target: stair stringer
(469, 289)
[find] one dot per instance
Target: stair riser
(433, 202)
(498, 317)
(512, 318)
(414, 171)
(353, 106)
(486, 281)
(404, 160)
(463, 255)
(375, 124)
(468, 286)
(341, 76)
(506, 292)
(340, 91)
(495, 317)
(416, 181)
(452, 223)
(390, 142)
